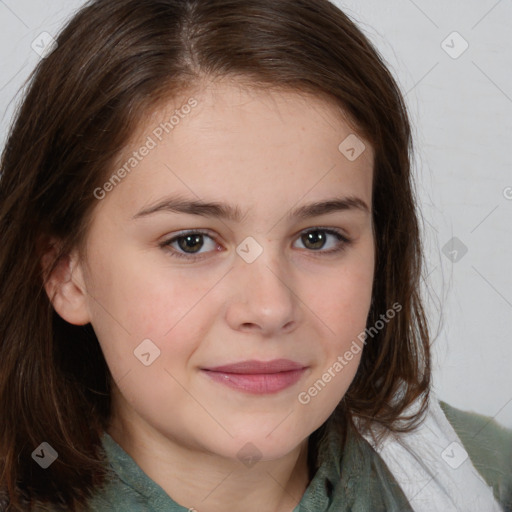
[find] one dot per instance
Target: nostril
(288, 325)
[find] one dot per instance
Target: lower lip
(260, 383)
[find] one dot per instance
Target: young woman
(210, 273)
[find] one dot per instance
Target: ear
(65, 285)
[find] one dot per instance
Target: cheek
(342, 301)
(347, 302)
(139, 298)
(342, 298)
(129, 304)
(141, 293)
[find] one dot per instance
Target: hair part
(116, 62)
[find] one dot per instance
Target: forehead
(247, 143)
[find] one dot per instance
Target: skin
(266, 153)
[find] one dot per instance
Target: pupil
(190, 242)
(315, 239)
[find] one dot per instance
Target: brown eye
(323, 240)
(314, 240)
(190, 243)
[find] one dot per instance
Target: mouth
(258, 377)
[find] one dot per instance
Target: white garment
(432, 467)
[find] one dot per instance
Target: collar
(352, 478)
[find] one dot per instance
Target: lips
(257, 377)
(258, 367)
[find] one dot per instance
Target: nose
(261, 298)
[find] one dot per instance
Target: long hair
(116, 61)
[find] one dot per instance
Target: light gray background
(461, 110)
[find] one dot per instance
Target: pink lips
(258, 377)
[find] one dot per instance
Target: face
(241, 235)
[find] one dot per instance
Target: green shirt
(353, 479)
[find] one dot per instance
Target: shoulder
(128, 488)
(116, 496)
(489, 446)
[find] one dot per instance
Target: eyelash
(344, 242)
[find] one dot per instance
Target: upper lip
(258, 367)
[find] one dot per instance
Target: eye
(194, 244)
(323, 240)
(189, 244)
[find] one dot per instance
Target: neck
(203, 481)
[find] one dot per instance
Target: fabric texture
(434, 469)
(363, 477)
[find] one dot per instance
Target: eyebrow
(234, 213)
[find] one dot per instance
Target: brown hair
(115, 61)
